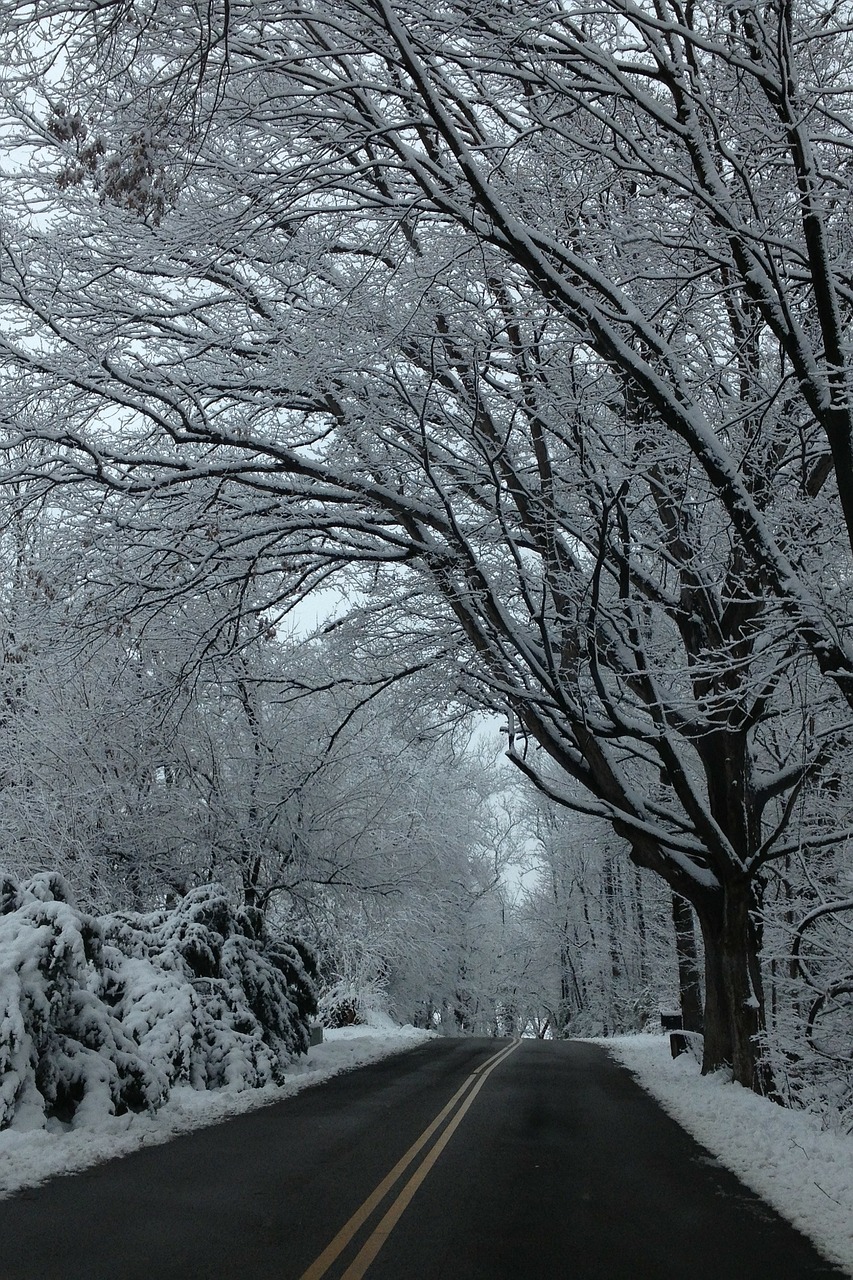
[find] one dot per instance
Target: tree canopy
(529, 320)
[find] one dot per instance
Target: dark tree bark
(689, 980)
(734, 997)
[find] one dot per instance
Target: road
(460, 1160)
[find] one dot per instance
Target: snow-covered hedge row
(107, 1013)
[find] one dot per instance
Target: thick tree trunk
(251, 875)
(689, 983)
(734, 999)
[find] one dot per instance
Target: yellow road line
(336, 1247)
(376, 1240)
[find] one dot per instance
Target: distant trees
(155, 740)
(531, 320)
(600, 931)
(445, 951)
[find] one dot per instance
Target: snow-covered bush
(105, 1014)
(346, 1004)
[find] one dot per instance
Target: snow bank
(806, 1174)
(28, 1158)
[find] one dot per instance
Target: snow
(804, 1172)
(110, 1013)
(29, 1156)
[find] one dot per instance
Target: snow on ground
(806, 1174)
(30, 1157)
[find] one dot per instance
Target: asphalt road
(548, 1162)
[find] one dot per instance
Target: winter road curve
(460, 1160)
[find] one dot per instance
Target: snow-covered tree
(161, 739)
(105, 1014)
(600, 930)
(542, 308)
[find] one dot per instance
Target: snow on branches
(106, 1013)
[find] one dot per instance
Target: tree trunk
(614, 930)
(734, 999)
(568, 985)
(689, 984)
(642, 941)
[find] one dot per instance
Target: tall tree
(544, 309)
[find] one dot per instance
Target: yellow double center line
(381, 1232)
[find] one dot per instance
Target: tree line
(527, 326)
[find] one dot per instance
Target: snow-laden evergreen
(105, 1014)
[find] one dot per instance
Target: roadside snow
(805, 1173)
(30, 1157)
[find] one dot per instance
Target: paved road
(550, 1162)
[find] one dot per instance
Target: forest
(426, 498)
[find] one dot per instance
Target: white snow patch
(805, 1173)
(30, 1156)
